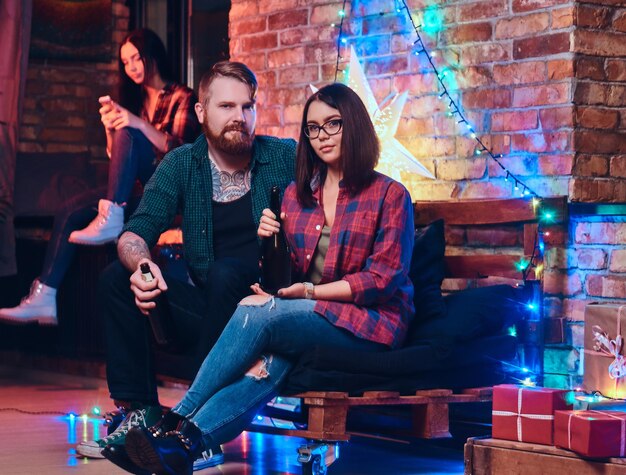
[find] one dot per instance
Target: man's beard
(238, 144)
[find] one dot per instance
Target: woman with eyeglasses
(351, 234)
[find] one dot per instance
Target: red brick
(541, 142)
(461, 169)
(597, 118)
(555, 164)
(597, 190)
(285, 57)
(618, 166)
(484, 53)
(299, 75)
(487, 99)
(372, 46)
(298, 36)
(273, 6)
(474, 76)
(326, 14)
(560, 258)
(242, 9)
(590, 68)
(616, 69)
(385, 25)
(416, 84)
(526, 25)
(287, 19)
(259, 42)
(562, 17)
(600, 233)
(616, 95)
(411, 126)
(619, 21)
(518, 120)
(556, 118)
(606, 286)
(562, 283)
(549, 94)
(428, 147)
(247, 26)
(560, 69)
(519, 73)
(601, 43)
(592, 16)
(386, 65)
(618, 260)
(529, 5)
(541, 46)
(480, 10)
(591, 165)
(590, 93)
(256, 61)
(592, 259)
(51, 134)
(266, 79)
(591, 141)
(466, 33)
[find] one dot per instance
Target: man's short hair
(229, 69)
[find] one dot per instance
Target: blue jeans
(132, 158)
(223, 400)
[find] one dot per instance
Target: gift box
(526, 414)
(591, 433)
(605, 365)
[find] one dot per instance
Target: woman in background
(152, 116)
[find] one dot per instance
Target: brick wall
(543, 83)
(61, 99)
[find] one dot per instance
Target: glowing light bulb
(528, 382)
(341, 13)
(95, 411)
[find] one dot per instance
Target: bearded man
(220, 185)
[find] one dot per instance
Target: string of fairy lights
(525, 266)
(454, 108)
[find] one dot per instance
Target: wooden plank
(482, 265)
(492, 211)
(479, 392)
(488, 456)
(431, 421)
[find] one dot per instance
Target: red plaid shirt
(370, 247)
(174, 115)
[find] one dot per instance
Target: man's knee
(228, 276)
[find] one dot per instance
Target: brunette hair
(154, 59)
(360, 148)
(229, 69)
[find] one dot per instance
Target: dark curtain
(15, 21)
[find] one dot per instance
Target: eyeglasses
(331, 127)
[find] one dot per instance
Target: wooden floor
(38, 437)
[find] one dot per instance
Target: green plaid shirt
(182, 184)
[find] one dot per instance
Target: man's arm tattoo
(131, 249)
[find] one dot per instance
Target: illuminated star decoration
(394, 156)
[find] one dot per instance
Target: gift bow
(617, 369)
(519, 414)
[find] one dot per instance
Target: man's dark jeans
(199, 315)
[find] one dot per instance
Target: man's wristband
(309, 290)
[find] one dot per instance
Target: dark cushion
(427, 271)
(473, 313)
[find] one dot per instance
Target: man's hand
(147, 292)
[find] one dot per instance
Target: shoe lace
(134, 418)
(35, 288)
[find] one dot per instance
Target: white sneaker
(39, 306)
(105, 227)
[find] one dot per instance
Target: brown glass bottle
(157, 316)
(276, 255)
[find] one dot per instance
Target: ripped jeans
(223, 399)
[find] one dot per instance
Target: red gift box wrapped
(591, 433)
(526, 414)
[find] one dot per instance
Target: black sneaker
(142, 417)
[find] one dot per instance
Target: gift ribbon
(622, 436)
(605, 346)
(519, 414)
